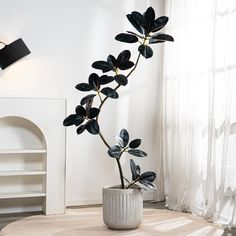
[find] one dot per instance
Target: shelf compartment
(21, 195)
(22, 173)
(22, 151)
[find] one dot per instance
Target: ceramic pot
(122, 208)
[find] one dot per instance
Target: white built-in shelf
(22, 173)
(21, 195)
(22, 151)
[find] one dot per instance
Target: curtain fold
(199, 108)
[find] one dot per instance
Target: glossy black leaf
(89, 105)
(124, 135)
(84, 87)
(109, 92)
(126, 38)
(114, 151)
(135, 143)
(104, 79)
(80, 129)
(137, 153)
(163, 37)
(124, 56)
(87, 99)
(102, 65)
(93, 112)
(121, 79)
(135, 23)
(112, 61)
(159, 23)
(92, 127)
(79, 120)
(149, 16)
(139, 18)
(148, 184)
(93, 81)
(135, 170)
(148, 176)
(70, 120)
(146, 51)
(126, 65)
(80, 110)
(152, 40)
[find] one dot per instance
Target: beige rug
(88, 222)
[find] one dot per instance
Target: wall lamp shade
(12, 53)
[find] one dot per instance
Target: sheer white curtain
(199, 108)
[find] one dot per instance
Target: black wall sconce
(12, 52)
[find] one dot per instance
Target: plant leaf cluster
(86, 116)
(146, 178)
(123, 140)
(147, 27)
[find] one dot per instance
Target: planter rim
(116, 188)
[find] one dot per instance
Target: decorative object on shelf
(12, 52)
(122, 205)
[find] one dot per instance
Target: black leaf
(121, 79)
(152, 40)
(93, 81)
(92, 127)
(84, 87)
(124, 135)
(148, 176)
(124, 56)
(102, 65)
(159, 23)
(112, 61)
(137, 153)
(114, 151)
(139, 18)
(135, 23)
(135, 143)
(80, 110)
(70, 120)
(149, 16)
(87, 99)
(89, 105)
(93, 112)
(109, 92)
(79, 120)
(127, 38)
(80, 129)
(135, 170)
(148, 184)
(163, 37)
(145, 50)
(104, 79)
(126, 65)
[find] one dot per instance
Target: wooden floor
(8, 218)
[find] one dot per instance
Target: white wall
(65, 37)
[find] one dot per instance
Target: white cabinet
(32, 155)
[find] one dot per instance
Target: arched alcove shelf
(32, 155)
(23, 153)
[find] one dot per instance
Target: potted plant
(122, 204)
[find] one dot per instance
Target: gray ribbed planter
(122, 208)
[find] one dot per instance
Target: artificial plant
(86, 116)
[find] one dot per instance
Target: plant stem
(135, 181)
(102, 137)
(121, 173)
(134, 66)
